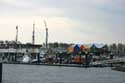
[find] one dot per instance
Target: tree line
(114, 48)
(117, 48)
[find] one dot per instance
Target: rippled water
(50, 74)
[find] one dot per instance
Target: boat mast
(33, 35)
(46, 33)
(16, 34)
(33, 40)
(16, 43)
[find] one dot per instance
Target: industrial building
(12, 51)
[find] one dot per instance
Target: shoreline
(60, 65)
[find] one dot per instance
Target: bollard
(0, 72)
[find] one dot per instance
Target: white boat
(26, 59)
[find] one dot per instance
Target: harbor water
(17, 73)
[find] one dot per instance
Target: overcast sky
(77, 21)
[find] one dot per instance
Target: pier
(113, 61)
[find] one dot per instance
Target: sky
(68, 21)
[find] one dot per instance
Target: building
(10, 51)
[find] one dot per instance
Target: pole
(111, 57)
(0, 72)
(86, 59)
(16, 34)
(33, 40)
(80, 58)
(38, 58)
(33, 36)
(16, 43)
(46, 37)
(46, 34)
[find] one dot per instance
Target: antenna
(46, 33)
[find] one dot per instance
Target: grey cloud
(105, 17)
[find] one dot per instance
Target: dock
(60, 65)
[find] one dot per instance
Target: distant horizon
(70, 21)
(65, 42)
